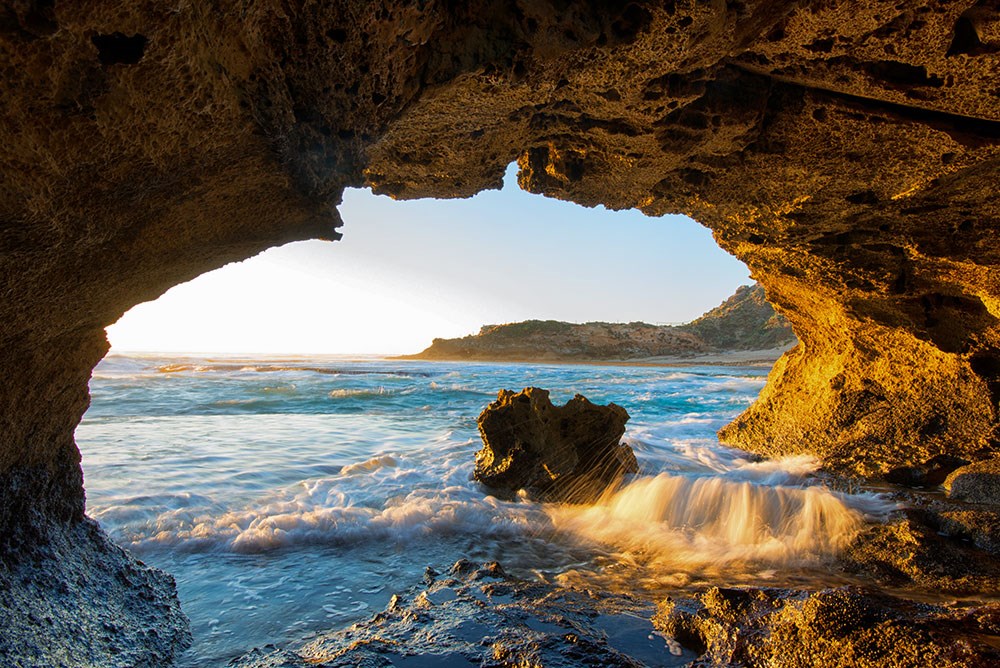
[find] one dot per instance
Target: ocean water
(290, 496)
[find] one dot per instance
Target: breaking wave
(756, 513)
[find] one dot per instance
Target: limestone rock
(844, 627)
(476, 615)
(937, 548)
(978, 483)
(929, 474)
(80, 601)
(570, 453)
(847, 152)
(979, 525)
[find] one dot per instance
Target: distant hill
(745, 321)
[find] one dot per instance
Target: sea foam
(750, 514)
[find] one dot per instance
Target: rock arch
(847, 152)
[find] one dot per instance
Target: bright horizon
(407, 272)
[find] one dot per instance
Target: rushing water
(290, 496)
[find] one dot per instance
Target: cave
(848, 153)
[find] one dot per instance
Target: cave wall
(848, 152)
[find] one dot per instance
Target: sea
(294, 495)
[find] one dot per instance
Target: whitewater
(290, 496)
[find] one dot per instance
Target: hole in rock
(902, 75)
(633, 20)
(338, 35)
(292, 477)
(118, 48)
(987, 365)
(966, 39)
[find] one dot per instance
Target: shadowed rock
(81, 601)
(570, 453)
(979, 525)
(939, 545)
(929, 474)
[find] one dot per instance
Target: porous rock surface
(844, 627)
(848, 152)
(978, 482)
(81, 601)
(930, 546)
(568, 453)
(476, 615)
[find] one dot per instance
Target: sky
(406, 272)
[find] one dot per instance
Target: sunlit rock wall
(848, 152)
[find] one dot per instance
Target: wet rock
(978, 483)
(931, 473)
(847, 627)
(846, 152)
(80, 601)
(476, 615)
(570, 453)
(926, 548)
(980, 526)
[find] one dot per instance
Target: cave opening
(291, 489)
(847, 154)
(409, 271)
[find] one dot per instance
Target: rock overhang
(847, 152)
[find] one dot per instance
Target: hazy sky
(406, 272)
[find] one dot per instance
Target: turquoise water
(291, 496)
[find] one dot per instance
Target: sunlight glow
(407, 272)
(273, 304)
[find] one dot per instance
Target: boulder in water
(978, 483)
(571, 453)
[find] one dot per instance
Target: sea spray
(283, 494)
(709, 523)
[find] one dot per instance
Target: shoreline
(753, 358)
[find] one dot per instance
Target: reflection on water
(291, 496)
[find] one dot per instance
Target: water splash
(683, 523)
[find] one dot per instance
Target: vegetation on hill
(745, 321)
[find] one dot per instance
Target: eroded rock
(981, 526)
(978, 483)
(847, 152)
(80, 601)
(937, 546)
(571, 453)
(475, 615)
(931, 473)
(844, 627)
